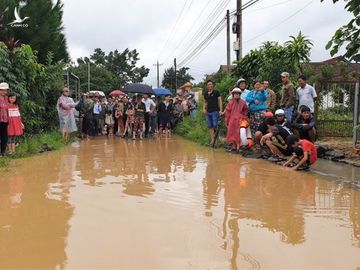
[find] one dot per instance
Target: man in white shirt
(149, 108)
(306, 94)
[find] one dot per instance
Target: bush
(37, 85)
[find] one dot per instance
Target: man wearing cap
(236, 118)
(4, 117)
(304, 125)
(306, 94)
(288, 96)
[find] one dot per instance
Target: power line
(202, 45)
(173, 28)
(206, 26)
(286, 19)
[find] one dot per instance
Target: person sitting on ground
(282, 121)
(304, 155)
(257, 104)
(262, 129)
(236, 120)
(276, 139)
(304, 125)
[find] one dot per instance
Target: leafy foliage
(44, 32)
(271, 59)
(182, 77)
(348, 34)
(110, 71)
(37, 85)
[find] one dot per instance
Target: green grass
(30, 145)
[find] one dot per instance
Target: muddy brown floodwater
(171, 204)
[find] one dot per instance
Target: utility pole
(175, 66)
(228, 62)
(239, 29)
(89, 75)
(158, 73)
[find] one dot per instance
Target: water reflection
(33, 228)
(209, 190)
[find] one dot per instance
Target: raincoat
(65, 107)
(236, 111)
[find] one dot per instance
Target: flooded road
(171, 204)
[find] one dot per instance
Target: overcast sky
(165, 29)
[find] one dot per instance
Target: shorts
(12, 139)
(212, 120)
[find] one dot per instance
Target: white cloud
(147, 25)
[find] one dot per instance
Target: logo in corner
(19, 22)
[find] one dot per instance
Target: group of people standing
(11, 125)
(139, 116)
(251, 118)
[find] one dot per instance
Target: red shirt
(311, 149)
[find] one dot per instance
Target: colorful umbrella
(117, 93)
(162, 92)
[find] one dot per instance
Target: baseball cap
(279, 112)
(4, 86)
(285, 74)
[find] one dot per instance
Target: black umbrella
(139, 88)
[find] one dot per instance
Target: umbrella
(100, 93)
(162, 92)
(138, 88)
(117, 93)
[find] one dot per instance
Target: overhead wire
(204, 44)
(174, 27)
(281, 22)
(206, 25)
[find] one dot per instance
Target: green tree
(182, 77)
(45, 27)
(298, 48)
(348, 34)
(38, 86)
(110, 71)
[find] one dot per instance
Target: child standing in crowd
(15, 125)
(4, 115)
(304, 155)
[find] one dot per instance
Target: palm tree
(299, 48)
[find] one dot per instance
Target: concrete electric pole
(228, 48)
(158, 72)
(239, 29)
(175, 67)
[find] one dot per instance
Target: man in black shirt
(276, 138)
(212, 109)
(304, 125)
